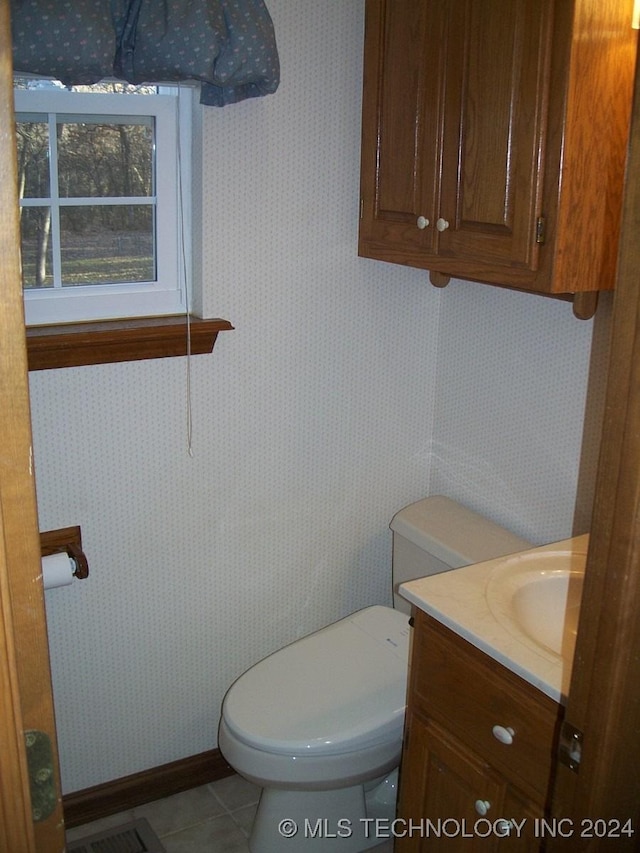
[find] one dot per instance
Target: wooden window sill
(109, 341)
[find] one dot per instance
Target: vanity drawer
(470, 694)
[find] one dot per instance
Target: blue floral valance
(227, 45)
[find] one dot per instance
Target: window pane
(108, 158)
(107, 244)
(115, 88)
(33, 158)
(37, 265)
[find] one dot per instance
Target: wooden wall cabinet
(454, 768)
(494, 139)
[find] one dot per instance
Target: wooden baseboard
(81, 807)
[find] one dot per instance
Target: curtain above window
(228, 46)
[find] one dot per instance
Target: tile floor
(214, 818)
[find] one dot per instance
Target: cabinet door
(455, 106)
(449, 798)
(497, 71)
(523, 821)
(401, 125)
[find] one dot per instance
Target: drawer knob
(482, 807)
(442, 224)
(504, 735)
(422, 222)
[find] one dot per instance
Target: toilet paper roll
(57, 570)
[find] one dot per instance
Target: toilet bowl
(318, 724)
(327, 710)
(313, 723)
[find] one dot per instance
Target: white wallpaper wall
(348, 389)
(510, 408)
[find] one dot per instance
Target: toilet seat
(340, 689)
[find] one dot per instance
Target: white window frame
(172, 110)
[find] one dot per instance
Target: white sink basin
(536, 597)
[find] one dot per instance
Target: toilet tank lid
(454, 534)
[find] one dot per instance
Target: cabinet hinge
(541, 229)
(570, 746)
(361, 207)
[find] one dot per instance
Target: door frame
(26, 699)
(604, 696)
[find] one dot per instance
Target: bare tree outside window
(87, 186)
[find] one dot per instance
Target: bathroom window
(104, 173)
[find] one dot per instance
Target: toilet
(318, 724)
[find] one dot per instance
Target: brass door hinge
(541, 229)
(42, 777)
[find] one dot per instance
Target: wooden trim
(604, 701)
(25, 678)
(16, 826)
(119, 795)
(110, 341)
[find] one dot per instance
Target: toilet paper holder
(67, 540)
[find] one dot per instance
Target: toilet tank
(437, 534)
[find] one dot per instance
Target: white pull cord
(187, 293)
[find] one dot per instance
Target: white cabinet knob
(442, 224)
(422, 222)
(482, 807)
(504, 735)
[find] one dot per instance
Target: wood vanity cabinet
(494, 140)
(454, 766)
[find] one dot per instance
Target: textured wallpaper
(348, 389)
(510, 408)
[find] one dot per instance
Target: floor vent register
(134, 837)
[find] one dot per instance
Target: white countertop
(459, 600)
